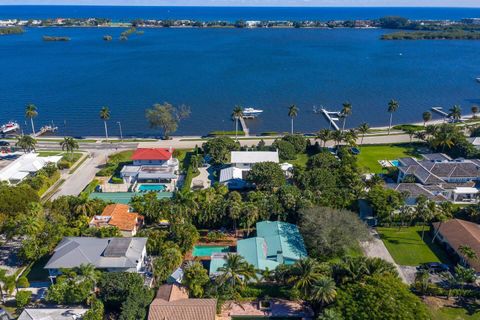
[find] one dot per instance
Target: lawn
(301, 160)
(451, 313)
(407, 247)
(115, 163)
(371, 154)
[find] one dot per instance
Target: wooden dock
(45, 129)
(244, 126)
(440, 111)
(331, 120)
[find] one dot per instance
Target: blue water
(207, 251)
(395, 163)
(212, 70)
(152, 187)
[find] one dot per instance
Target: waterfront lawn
(371, 154)
(407, 247)
(115, 163)
(454, 313)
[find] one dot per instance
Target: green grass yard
(407, 247)
(371, 154)
(451, 313)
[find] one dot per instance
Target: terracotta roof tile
(152, 154)
(121, 217)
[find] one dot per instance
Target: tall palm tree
(338, 137)
(455, 112)
(346, 111)
(303, 274)
(474, 111)
(31, 112)
(69, 144)
(324, 135)
(363, 130)
(105, 116)
(426, 116)
(323, 291)
(236, 271)
(292, 113)
(27, 143)
(237, 114)
(392, 107)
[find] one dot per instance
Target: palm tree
(105, 116)
(338, 137)
(363, 130)
(346, 111)
(303, 274)
(69, 144)
(292, 113)
(392, 107)
(411, 132)
(420, 135)
(237, 114)
(89, 273)
(236, 271)
(30, 113)
(474, 111)
(324, 135)
(351, 137)
(426, 116)
(27, 143)
(323, 291)
(468, 253)
(455, 112)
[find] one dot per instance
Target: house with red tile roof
(152, 166)
(119, 215)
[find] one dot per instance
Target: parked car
(434, 267)
(4, 144)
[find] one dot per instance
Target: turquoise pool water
(152, 187)
(206, 251)
(395, 163)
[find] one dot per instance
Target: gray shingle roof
(103, 253)
(52, 314)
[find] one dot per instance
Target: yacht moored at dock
(251, 113)
(9, 127)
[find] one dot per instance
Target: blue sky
(348, 3)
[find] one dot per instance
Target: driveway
(376, 249)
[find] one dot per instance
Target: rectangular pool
(206, 251)
(151, 187)
(395, 163)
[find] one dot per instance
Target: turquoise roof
(275, 242)
(215, 264)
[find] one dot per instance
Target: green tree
(411, 132)
(267, 176)
(363, 130)
(236, 272)
(105, 116)
(324, 135)
(286, 150)
(219, 149)
(23, 298)
(167, 117)
(468, 254)
(474, 111)
(166, 263)
(455, 112)
(304, 274)
(96, 311)
(345, 112)
(292, 113)
(27, 143)
(426, 116)
(69, 144)
(324, 291)
(237, 114)
(385, 202)
(338, 136)
(185, 236)
(392, 107)
(426, 211)
(298, 142)
(31, 112)
(195, 278)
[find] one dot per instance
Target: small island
(433, 35)
(11, 30)
(50, 38)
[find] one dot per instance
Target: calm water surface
(211, 70)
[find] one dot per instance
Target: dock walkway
(327, 115)
(440, 111)
(244, 127)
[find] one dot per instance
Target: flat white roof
(25, 164)
(467, 190)
(254, 156)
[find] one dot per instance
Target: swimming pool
(206, 251)
(152, 187)
(395, 163)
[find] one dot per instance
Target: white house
(24, 166)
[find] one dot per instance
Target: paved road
(75, 183)
(376, 249)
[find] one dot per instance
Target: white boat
(251, 112)
(9, 127)
(478, 79)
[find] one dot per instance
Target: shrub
(286, 150)
(116, 180)
(64, 164)
(23, 298)
(213, 236)
(269, 133)
(226, 133)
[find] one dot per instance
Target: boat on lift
(9, 127)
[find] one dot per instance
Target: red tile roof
(152, 154)
(121, 217)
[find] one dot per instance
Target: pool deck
(228, 242)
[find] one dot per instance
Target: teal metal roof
(254, 250)
(123, 197)
(282, 238)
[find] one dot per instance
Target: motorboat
(251, 112)
(9, 127)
